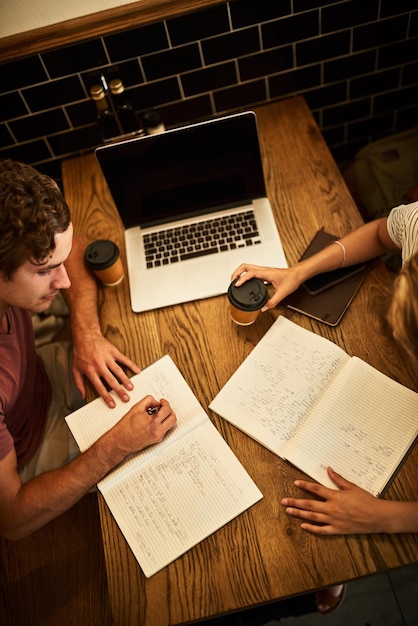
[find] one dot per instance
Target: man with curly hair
(41, 472)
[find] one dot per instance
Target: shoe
(328, 601)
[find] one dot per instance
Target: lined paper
(180, 498)
(362, 428)
(161, 380)
(169, 497)
(270, 394)
(306, 400)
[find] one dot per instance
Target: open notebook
(170, 496)
(305, 399)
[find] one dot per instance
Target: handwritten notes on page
(169, 497)
(275, 387)
(317, 407)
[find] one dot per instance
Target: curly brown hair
(32, 211)
(403, 311)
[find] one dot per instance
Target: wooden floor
(57, 576)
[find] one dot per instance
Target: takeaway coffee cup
(103, 258)
(246, 301)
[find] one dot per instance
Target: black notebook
(327, 305)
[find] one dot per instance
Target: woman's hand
(284, 281)
(346, 510)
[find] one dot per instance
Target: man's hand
(137, 429)
(101, 362)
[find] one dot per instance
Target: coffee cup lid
(101, 254)
(250, 296)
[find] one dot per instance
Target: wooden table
(262, 555)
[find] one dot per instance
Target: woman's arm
(364, 243)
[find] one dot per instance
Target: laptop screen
(187, 171)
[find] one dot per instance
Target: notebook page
(275, 387)
(162, 379)
(362, 428)
(170, 496)
(180, 497)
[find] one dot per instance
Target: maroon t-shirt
(25, 390)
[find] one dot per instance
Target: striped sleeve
(402, 227)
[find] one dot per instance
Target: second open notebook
(306, 400)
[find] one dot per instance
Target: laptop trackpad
(178, 284)
(206, 278)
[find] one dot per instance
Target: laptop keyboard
(211, 236)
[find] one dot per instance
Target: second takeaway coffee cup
(103, 258)
(246, 301)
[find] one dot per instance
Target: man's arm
(26, 507)
(93, 356)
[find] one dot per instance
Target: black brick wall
(355, 62)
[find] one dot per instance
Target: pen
(154, 409)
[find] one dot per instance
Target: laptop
(193, 204)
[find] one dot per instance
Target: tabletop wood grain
(262, 555)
